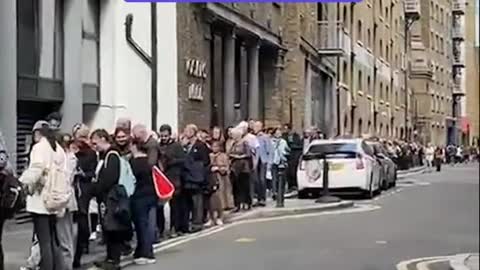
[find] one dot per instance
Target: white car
(352, 167)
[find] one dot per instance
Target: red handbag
(163, 186)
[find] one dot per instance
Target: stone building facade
(258, 60)
(238, 49)
(372, 70)
(471, 123)
(432, 72)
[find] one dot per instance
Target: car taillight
(359, 163)
(302, 166)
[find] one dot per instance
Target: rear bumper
(358, 181)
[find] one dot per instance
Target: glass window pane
(26, 57)
(58, 68)
(89, 61)
(46, 27)
(90, 16)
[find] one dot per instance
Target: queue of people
(212, 172)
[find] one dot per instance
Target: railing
(458, 57)
(458, 89)
(458, 6)
(458, 31)
(330, 38)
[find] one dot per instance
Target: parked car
(352, 167)
(388, 174)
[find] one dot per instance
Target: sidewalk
(465, 262)
(17, 238)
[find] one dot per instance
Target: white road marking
(381, 242)
(424, 265)
(404, 264)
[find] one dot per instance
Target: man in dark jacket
(195, 173)
(172, 159)
(116, 231)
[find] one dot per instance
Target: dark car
(388, 176)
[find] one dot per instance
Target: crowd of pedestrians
(73, 185)
(75, 193)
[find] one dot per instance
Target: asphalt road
(437, 215)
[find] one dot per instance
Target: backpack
(126, 179)
(12, 195)
(57, 192)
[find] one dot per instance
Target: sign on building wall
(197, 71)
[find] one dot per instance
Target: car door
(375, 165)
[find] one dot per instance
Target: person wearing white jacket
(47, 151)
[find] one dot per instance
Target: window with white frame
(91, 46)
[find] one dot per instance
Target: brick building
(256, 60)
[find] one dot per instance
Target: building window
(345, 17)
(381, 48)
(386, 14)
(432, 15)
(387, 93)
(369, 85)
(396, 98)
(387, 53)
(441, 16)
(360, 81)
(380, 6)
(91, 46)
(359, 30)
(345, 72)
(381, 90)
(40, 39)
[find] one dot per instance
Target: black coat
(117, 216)
(173, 162)
(196, 168)
(87, 163)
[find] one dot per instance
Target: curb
(290, 211)
(458, 262)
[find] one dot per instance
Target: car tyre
(303, 194)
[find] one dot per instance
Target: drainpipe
(151, 61)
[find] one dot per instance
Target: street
(426, 215)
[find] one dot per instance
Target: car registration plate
(336, 166)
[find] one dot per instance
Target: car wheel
(303, 194)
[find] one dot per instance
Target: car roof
(335, 141)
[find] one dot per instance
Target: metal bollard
(281, 186)
(326, 197)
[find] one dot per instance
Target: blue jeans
(144, 211)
